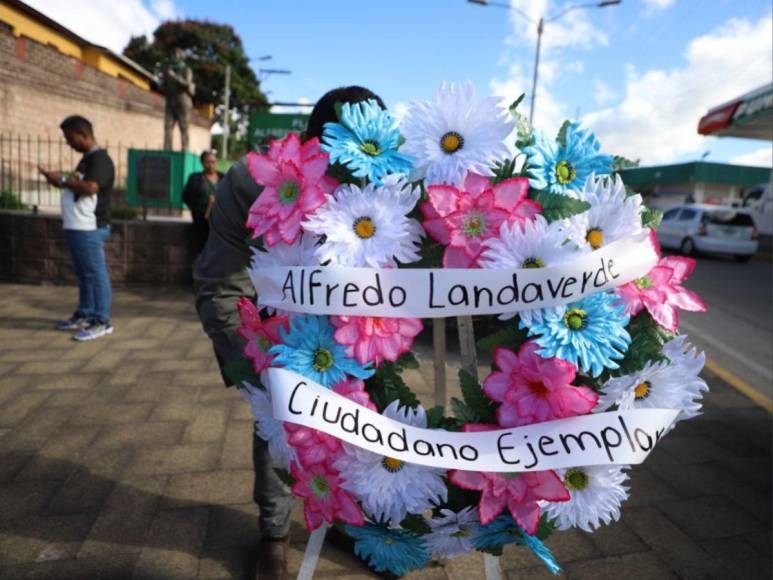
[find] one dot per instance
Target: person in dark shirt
(220, 279)
(86, 223)
(199, 195)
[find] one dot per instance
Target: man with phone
(85, 204)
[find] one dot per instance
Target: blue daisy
(590, 333)
(564, 169)
(388, 549)
(308, 348)
(503, 531)
(365, 139)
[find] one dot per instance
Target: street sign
(265, 127)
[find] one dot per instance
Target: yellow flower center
(320, 486)
(565, 173)
(576, 479)
(451, 142)
(364, 227)
(595, 238)
(288, 192)
(323, 360)
(643, 282)
(370, 148)
(391, 464)
(533, 263)
(642, 390)
(460, 534)
(574, 319)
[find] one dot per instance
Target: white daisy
(531, 244)
(612, 215)
(268, 428)
(368, 227)
(452, 533)
(455, 133)
(388, 488)
(596, 494)
(300, 253)
(661, 385)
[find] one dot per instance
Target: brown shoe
(272, 563)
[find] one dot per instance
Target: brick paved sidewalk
(126, 458)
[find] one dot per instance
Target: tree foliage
(208, 47)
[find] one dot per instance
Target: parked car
(709, 228)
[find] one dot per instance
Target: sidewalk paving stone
(126, 458)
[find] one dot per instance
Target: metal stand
(491, 565)
(311, 553)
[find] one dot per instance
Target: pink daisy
(462, 219)
(259, 334)
(533, 389)
(518, 492)
(375, 338)
(661, 291)
(323, 498)
(313, 446)
(294, 185)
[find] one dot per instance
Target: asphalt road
(737, 331)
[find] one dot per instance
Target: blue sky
(640, 74)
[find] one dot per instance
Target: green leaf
(647, 340)
(524, 131)
(407, 360)
(462, 412)
(285, 476)
(512, 108)
(650, 218)
(477, 407)
(435, 417)
(387, 385)
(556, 206)
(561, 137)
(545, 528)
(503, 170)
(509, 336)
(416, 523)
(239, 370)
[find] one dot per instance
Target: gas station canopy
(749, 116)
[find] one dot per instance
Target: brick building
(48, 72)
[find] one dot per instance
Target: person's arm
(220, 276)
(73, 183)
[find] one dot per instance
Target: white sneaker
(93, 330)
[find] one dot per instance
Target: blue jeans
(87, 249)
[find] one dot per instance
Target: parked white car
(711, 229)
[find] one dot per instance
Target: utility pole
(226, 112)
(540, 28)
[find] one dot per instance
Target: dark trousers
(270, 493)
(200, 230)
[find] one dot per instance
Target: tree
(209, 47)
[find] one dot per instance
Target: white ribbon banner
(438, 293)
(621, 437)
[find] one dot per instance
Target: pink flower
(375, 338)
(533, 389)
(294, 185)
(462, 219)
(323, 498)
(313, 446)
(518, 492)
(661, 291)
(260, 334)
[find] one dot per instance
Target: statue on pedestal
(179, 89)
